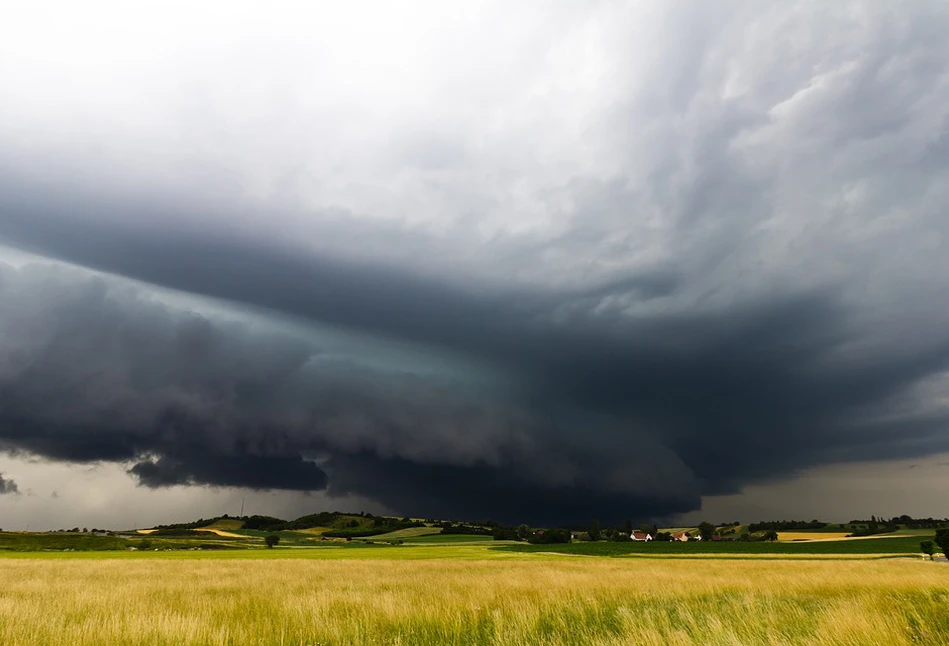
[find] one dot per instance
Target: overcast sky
(540, 262)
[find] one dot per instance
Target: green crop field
(226, 524)
(58, 541)
(411, 532)
(893, 545)
(449, 538)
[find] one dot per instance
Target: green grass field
(449, 538)
(895, 545)
(228, 524)
(415, 537)
(59, 541)
(411, 532)
(286, 537)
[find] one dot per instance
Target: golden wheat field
(812, 536)
(97, 602)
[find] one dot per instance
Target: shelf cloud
(547, 264)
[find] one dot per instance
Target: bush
(272, 540)
(942, 540)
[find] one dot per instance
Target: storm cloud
(7, 486)
(627, 273)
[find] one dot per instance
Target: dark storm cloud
(94, 370)
(258, 472)
(484, 493)
(610, 417)
(718, 267)
(7, 486)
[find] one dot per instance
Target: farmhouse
(640, 536)
(680, 536)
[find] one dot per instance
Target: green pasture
(450, 538)
(408, 533)
(894, 545)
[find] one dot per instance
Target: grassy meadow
(485, 597)
(219, 585)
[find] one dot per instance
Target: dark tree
(926, 547)
(706, 530)
(594, 530)
(505, 534)
(543, 536)
(942, 540)
(523, 532)
(770, 536)
(272, 540)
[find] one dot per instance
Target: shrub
(942, 540)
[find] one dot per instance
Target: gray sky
(541, 263)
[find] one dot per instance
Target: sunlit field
(499, 598)
(811, 536)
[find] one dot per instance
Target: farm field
(450, 538)
(216, 583)
(464, 594)
(411, 532)
(873, 545)
(811, 536)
